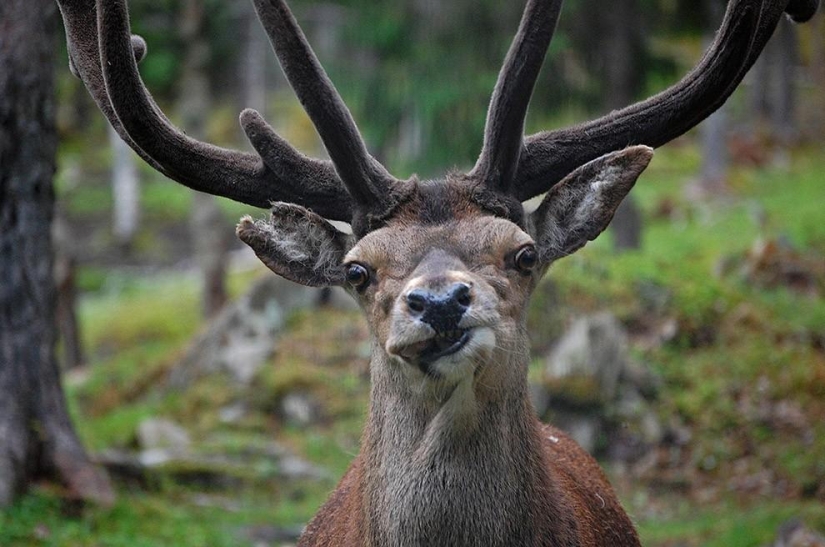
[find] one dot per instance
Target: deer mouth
(441, 345)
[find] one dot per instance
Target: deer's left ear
(297, 244)
(580, 207)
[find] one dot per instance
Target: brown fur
(572, 480)
(458, 457)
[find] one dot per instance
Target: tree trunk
(36, 436)
(253, 62)
(623, 55)
(125, 191)
(715, 159)
(817, 33)
(773, 92)
(68, 326)
(714, 130)
(209, 233)
(783, 113)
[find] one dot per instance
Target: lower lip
(455, 348)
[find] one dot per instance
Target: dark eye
(526, 259)
(357, 276)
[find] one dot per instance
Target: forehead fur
(442, 215)
(439, 202)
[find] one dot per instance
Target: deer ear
(297, 244)
(580, 207)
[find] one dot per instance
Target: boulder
(162, 434)
(244, 334)
(595, 391)
(794, 534)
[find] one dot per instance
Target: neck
(451, 464)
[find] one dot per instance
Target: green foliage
(139, 520)
(728, 524)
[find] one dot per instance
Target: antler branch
(748, 24)
(103, 54)
(370, 185)
(504, 131)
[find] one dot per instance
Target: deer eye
(526, 259)
(358, 276)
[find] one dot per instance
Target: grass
(744, 373)
(728, 524)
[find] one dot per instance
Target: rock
(794, 534)
(540, 399)
(293, 467)
(583, 428)
(244, 334)
(162, 434)
(597, 393)
(593, 350)
(300, 408)
(233, 413)
(270, 536)
(216, 471)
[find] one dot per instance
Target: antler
(366, 180)
(504, 132)
(543, 159)
(353, 187)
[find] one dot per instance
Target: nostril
(462, 295)
(416, 301)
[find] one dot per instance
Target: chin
(464, 363)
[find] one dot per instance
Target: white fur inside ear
(593, 200)
(302, 239)
(607, 177)
(289, 243)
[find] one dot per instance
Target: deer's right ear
(580, 207)
(297, 244)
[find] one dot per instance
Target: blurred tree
(714, 130)
(613, 46)
(208, 228)
(419, 75)
(817, 39)
(253, 62)
(125, 191)
(773, 88)
(36, 436)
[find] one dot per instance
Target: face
(442, 299)
(444, 283)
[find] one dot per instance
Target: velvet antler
(504, 131)
(541, 160)
(353, 187)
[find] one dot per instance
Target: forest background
(715, 272)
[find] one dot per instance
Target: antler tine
(748, 24)
(102, 53)
(504, 130)
(367, 181)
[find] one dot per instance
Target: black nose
(442, 310)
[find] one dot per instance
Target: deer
(452, 452)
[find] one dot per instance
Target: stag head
(416, 241)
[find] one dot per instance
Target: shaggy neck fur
(455, 465)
